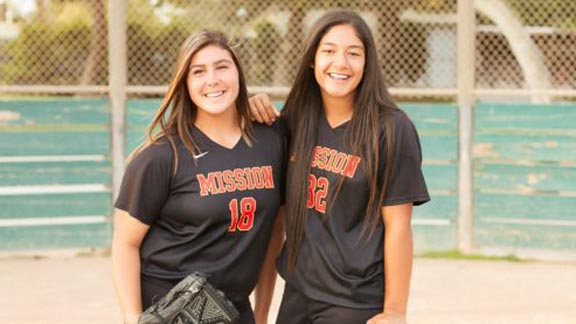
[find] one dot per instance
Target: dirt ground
(63, 290)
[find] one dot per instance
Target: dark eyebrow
(222, 61)
(215, 63)
(351, 46)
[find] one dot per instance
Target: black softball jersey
(338, 263)
(215, 215)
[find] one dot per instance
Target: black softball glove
(192, 301)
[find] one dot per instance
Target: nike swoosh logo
(197, 156)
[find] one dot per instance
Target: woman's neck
(223, 129)
(338, 110)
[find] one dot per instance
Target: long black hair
(302, 112)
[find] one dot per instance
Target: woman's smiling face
(339, 62)
(213, 81)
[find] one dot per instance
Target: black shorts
(298, 309)
(153, 289)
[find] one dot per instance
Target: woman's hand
(262, 110)
(386, 318)
(131, 319)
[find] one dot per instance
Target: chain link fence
(53, 43)
(520, 44)
(547, 39)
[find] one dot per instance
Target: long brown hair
(177, 113)
(302, 111)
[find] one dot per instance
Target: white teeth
(214, 94)
(339, 76)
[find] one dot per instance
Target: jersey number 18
(242, 220)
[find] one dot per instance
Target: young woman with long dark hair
(354, 174)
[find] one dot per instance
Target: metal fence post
(466, 69)
(117, 87)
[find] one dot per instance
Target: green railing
(55, 174)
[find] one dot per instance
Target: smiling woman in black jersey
(203, 192)
(354, 174)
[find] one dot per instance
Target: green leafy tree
(50, 50)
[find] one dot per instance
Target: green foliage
(45, 53)
(54, 51)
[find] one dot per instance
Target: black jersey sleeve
(407, 183)
(146, 183)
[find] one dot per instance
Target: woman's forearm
(398, 269)
(398, 255)
(126, 270)
(127, 239)
(267, 279)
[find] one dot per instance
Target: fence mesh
(53, 42)
(547, 43)
(65, 42)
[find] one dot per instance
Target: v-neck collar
(211, 142)
(336, 128)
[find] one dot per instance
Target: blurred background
(490, 85)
